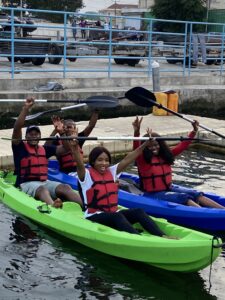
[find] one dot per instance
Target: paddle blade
(101, 101)
(141, 96)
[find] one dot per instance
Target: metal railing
(118, 49)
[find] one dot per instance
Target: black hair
(69, 121)
(94, 154)
(164, 151)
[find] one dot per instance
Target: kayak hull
(203, 219)
(191, 252)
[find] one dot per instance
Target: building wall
(217, 4)
(145, 3)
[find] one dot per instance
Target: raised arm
(131, 157)
(182, 146)
(137, 126)
(58, 128)
(91, 124)
(74, 148)
(17, 130)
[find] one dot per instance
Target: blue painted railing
(151, 46)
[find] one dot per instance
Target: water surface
(38, 264)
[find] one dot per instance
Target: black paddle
(94, 101)
(142, 97)
(113, 138)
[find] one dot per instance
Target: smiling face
(69, 127)
(154, 147)
(101, 163)
(33, 134)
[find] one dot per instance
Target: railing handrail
(152, 48)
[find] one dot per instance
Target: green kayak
(192, 251)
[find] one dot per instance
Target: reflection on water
(37, 264)
(207, 173)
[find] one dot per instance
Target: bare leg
(204, 201)
(43, 194)
(65, 192)
(192, 203)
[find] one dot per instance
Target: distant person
(98, 23)
(83, 24)
(74, 29)
(106, 26)
(201, 38)
(31, 163)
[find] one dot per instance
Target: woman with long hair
(155, 171)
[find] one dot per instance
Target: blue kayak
(204, 219)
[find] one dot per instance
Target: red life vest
(66, 160)
(156, 176)
(35, 165)
(103, 195)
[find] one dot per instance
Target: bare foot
(58, 203)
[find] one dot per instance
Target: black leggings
(124, 219)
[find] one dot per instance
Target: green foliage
(59, 5)
(184, 10)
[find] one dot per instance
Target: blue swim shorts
(176, 194)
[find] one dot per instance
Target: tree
(60, 5)
(184, 10)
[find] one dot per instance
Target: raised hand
(149, 132)
(58, 124)
(29, 102)
(195, 125)
(137, 124)
(74, 144)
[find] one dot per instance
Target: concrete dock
(122, 127)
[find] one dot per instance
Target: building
(216, 4)
(118, 10)
(145, 4)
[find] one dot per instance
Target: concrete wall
(217, 4)
(203, 95)
(145, 3)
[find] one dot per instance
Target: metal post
(21, 18)
(208, 4)
(155, 76)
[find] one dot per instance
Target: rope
(211, 258)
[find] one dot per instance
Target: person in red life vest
(31, 163)
(68, 128)
(99, 191)
(155, 172)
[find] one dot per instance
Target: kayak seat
(130, 187)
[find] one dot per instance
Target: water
(37, 264)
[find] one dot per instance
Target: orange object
(161, 98)
(172, 102)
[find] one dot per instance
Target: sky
(95, 5)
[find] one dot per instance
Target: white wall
(136, 23)
(146, 3)
(217, 4)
